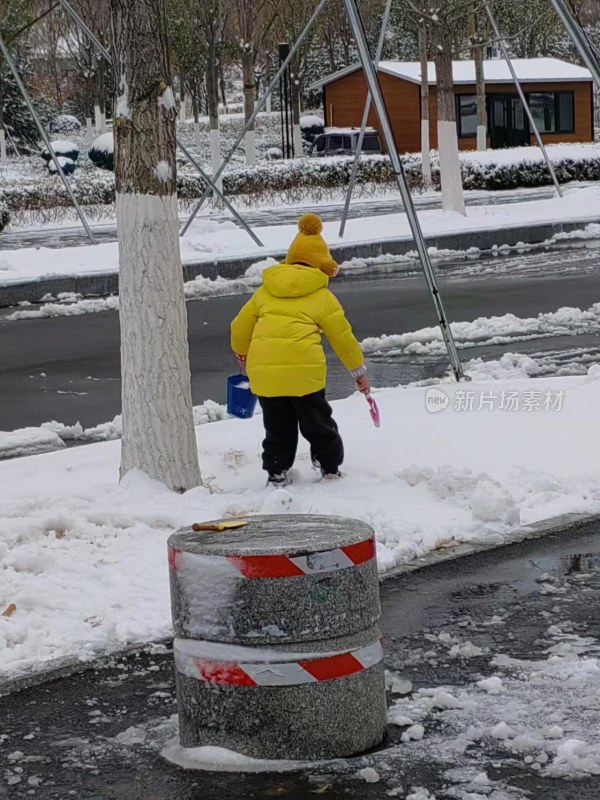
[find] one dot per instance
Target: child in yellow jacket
(277, 337)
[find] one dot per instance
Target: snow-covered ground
(83, 558)
(208, 239)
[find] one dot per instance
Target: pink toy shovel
(374, 411)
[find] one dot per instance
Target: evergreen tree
(15, 117)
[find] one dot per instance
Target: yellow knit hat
(310, 248)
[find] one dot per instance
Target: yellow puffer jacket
(280, 327)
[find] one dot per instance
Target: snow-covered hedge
(61, 147)
(493, 176)
(4, 216)
(67, 165)
(102, 151)
(47, 193)
(66, 123)
(312, 179)
(315, 178)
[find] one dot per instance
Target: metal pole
(220, 195)
(517, 83)
(257, 109)
(365, 117)
(579, 40)
(212, 188)
(388, 135)
(78, 21)
(44, 135)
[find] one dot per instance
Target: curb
(553, 527)
(108, 283)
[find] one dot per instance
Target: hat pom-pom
(310, 224)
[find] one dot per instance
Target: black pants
(312, 414)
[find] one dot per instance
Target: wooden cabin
(560, 95)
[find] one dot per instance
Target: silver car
(344, 142)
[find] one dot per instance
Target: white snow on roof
(348, 130)
(532, 70)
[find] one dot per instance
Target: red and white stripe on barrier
(282, 566)
(284, 673)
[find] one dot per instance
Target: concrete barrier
(277, 649)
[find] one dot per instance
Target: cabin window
(467, 114)
(553, 111)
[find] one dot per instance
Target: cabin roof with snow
(534, 70)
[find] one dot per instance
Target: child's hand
(363, 385)
(241, 360)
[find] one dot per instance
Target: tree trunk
(158, 430)
(452, 191)
(249, 101)
(212, 91)
(182, 116)
(222, 88)
(296, 129)
(478, 53)
(425, 142)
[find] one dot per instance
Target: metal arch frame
(365, 118)
(409, 207)
(257, 109)
(25, 94)
(522, 97)
(210, 184)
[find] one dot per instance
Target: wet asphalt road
(67, 738)
(67, 368)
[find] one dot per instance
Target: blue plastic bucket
(240, 400)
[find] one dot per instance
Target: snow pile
(71, 307)
(70, 304)
(486, 331)
(83, 558)
(28, 441)
(53, 435)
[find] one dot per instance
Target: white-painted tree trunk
(182, 110)
(196, 135)
(98, 120)
(298, 145)
(452, 191)
(156, 397)
(89, 130)
(250, 147)
(425, 153)
(482, 137)
(268, 103)
(215, 154)
(3, 157)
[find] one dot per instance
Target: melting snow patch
(492, 685)
(369, 775)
